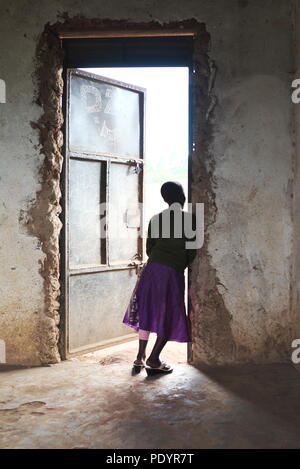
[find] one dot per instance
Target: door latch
(138, 264)
(138, 167)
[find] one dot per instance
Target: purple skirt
(157, 303)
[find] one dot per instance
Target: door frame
(199, 88)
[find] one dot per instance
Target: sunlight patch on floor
(173, 353)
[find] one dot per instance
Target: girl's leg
(143, 341)
(153, 359)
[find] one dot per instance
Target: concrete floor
(93, 402)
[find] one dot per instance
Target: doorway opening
(119, 151)
(165, 157)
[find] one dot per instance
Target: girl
(157, 303)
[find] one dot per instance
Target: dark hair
(172, 192)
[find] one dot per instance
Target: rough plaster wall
(241, 284)
(251, 240)
(21, 286)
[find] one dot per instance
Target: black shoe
(137, 368)
(162, 368)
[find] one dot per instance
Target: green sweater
(170, 250)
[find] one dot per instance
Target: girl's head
(173, 192)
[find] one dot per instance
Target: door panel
(104, 188)
(124, 200)
(95, 301)
(85, 190)
(110, 122)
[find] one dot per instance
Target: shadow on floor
(274, 388)
(6, 368)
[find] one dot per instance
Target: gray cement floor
(93, 402)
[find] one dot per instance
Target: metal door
(104, 220)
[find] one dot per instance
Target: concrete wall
(242, 283)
